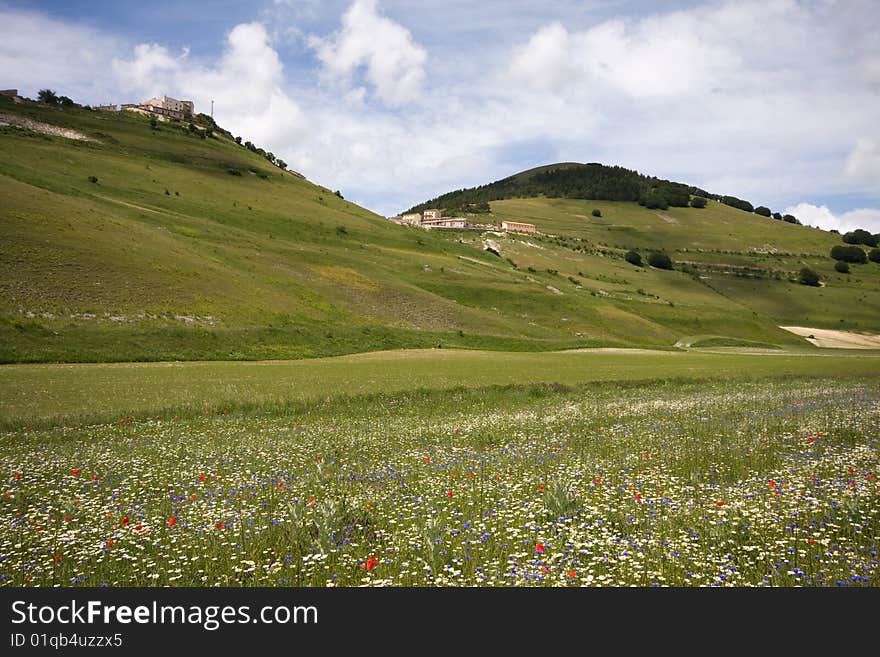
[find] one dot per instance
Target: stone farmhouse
(518, 227)
(432, 218)
(164, 106)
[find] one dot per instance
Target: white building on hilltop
(171, 104)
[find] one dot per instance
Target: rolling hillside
(193, 249)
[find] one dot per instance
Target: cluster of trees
(761, 210)
(852, 252)
(861, 236)
(656, 259)
(49, 97)
(278, 162)
(587, 181)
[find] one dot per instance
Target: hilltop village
(433, 218)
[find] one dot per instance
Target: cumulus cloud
(638, 58)
(863, 163)
(813, 215)
(392, 60)
(246, 84)
(37, 51)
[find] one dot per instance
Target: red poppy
(172, 521)
(638, 496)
(427, 459)
(138, 527)
(541, 487)
(94, 477)
(110, 543)
(75, 472)
(456, 429)
(201, 477)
(18, 475)
(870, 476)
(125, 521)
(851, 471)
(449, 493)
(192, 497)
(372, 562)
(539, 548)
(811, 540)
(810, 439)
(368, 506)
(719, 503)
(771, 484)
(572, 573)
(598, 480)
(68, 518)
(219, 525)
(645, 455)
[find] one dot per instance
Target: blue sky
(394, 102)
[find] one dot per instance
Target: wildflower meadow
(771, 483)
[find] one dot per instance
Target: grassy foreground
(729, 483)
(43, 395)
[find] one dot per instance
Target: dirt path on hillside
(832, 339)
(45, 128)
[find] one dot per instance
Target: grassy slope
(266, 265)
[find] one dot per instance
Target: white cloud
(863, 163)
(821, 216)
(246, 85)
(394, 62)
(37, 51)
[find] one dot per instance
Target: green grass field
(47, 395)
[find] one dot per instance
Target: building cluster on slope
(434, 218)
(164, 106)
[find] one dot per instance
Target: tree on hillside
(874, 255)
(281, 163)
(633, 258)
(763, 210)
(855, 254)
(841, 266)
(238, 140)
(597, 213)
(659, 260)
(47, 96)
(698, 202)
(777, 216)
(807, 276)
(738, 203)
(861, 236)
(790, 218)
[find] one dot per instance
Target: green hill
(190, 249)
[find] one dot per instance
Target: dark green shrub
(633, 258)
(93, 179)
(874, 255)
(860, 236)
(841, 266)
(597, 213)
(659, 260)
(763, 210)
(698, 202)
(807, 276)
(233, 172)
(853, 253)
